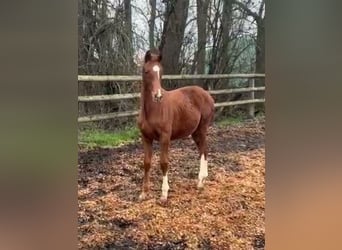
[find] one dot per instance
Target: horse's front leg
(164, 162)
(147, 166)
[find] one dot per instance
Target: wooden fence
(251, 88)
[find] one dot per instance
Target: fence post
(251, 107)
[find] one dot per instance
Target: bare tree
(105, 47)
(151, 23)
(202, 15)
(225, 36)
(216, 39)
(173, 32)
(259, 18)
(128, 32)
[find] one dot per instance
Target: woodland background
(194, 36)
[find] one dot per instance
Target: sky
(140, 15)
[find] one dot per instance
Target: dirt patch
(227, 214)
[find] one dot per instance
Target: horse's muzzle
(158, 96)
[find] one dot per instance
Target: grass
(230, 121)
(100, 138)
(91, 138)
(236, 119)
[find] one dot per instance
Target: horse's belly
(179, 135)
(184, 128)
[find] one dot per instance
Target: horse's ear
(148, 56)
(153, 55)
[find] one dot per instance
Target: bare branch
(244, 7)
(261, 9)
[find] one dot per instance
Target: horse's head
(152, 73)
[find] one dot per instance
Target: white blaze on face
(203, 172)
(156, 69)
(165, 187)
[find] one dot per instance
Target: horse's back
(197, 93)
(200, 98)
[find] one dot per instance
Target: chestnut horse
(169, 115)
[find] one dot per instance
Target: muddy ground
(227, 214)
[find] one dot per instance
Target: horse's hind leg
(147, 166)
(200, 138)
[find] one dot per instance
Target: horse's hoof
(200, 185)
(163, 201)
(142, 196)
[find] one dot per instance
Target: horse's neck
(148, 106)
(146, 102)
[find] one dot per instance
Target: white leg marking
(165, 187)
(142, 196)
(203, 172)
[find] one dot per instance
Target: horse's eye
(146, 71)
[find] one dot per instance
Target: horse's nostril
(157, 97)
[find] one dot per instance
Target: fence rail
(96, 117)
(116, 78)
(96, 98)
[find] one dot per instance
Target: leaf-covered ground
(228, 214)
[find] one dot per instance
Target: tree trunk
(173, 32)
(260, 43)
(82, 54)
(260, 48)
(215, 38)
(202, 13)
(128, 45)
(225, 36)
(260, 56)
(151, 23)
(202, 9)
(87, 24)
